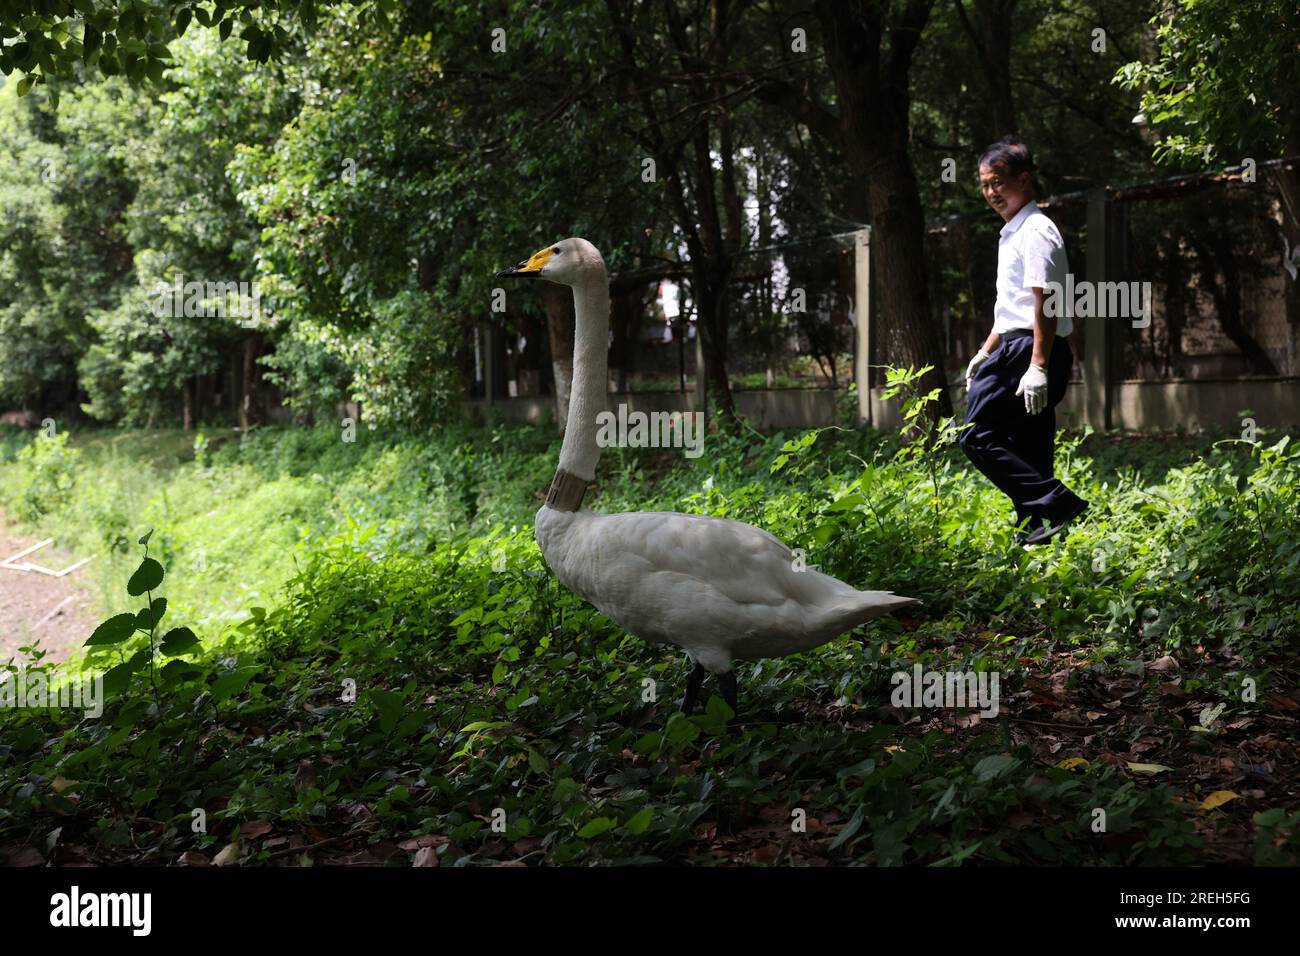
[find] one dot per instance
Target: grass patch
(422, 689)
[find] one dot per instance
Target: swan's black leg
(727, 684)
(692, 689)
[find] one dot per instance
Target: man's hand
(980, 358)
(1033, 385)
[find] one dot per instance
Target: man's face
(1004, 191)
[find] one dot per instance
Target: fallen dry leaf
(1218, 799)
(422, 841)
(426, 856)
(24, 856)
(1148, 767)
(252, 829)
(228, 856)
(305, 777)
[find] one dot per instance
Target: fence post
(1097, 331)
(489, 368)
(862, 311)
(701, 374)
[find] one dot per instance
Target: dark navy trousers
(1015, 450)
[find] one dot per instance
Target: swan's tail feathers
(869, 605)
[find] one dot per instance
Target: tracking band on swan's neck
(567, 491)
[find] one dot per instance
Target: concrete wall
(1199, 404)
(1138, 406)
(765, 409)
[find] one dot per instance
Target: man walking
(1018, 377)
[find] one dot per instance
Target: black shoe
(1045, 533)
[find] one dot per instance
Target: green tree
(64, 252)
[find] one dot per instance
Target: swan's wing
(607, 558)
(719, 588)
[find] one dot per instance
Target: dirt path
(57, 612)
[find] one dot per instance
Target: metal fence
(1205, 255)
(1209, 251)
(790, 326)
(1217, 259)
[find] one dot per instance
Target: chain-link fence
(1223, 302)
(789, 317)
(1215, 297)
(1207, 255)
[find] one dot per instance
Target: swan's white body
(720, 589)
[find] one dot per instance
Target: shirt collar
(1019, 218)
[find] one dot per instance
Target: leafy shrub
(46, 476)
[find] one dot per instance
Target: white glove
(980, 358)
(1033, 385)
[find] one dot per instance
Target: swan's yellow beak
(529, 267)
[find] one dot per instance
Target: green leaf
(680, 729)
(485, 725)
(649, 743)
(537, 762)
(596, 827)
(174, 672)
(847, 503)
(850, 828)
(113, 631)
(148, 617)
(117, 679)
(863, 768)
(639, 821)
(390, 706)
(144, 538)
(227, 685)
(993, 766)
(717, 712)
(25, 85)
(944, 800)
(147, 577)
(177, 641)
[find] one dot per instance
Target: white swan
(720, 589)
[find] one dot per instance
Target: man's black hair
(1010, 153)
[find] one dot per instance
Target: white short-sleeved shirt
(1031, 254)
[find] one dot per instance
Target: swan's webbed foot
(693, 689)
(727, 684)
(726, 687)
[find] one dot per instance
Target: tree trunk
(249, 414)
(873, 88)
(187, 404)
(990, 34)
(704, 197)
(1175, 308)
(712, 308)
(558, 303)
(1288, 182)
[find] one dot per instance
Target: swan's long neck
(579, 452)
